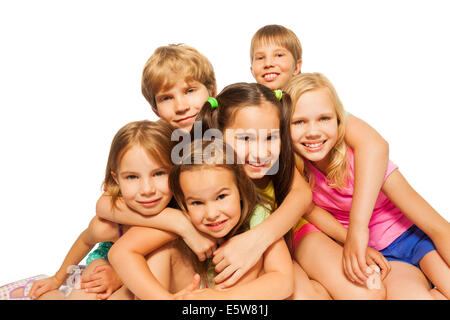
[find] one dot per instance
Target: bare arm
(97, 231)
(169, 219)
(398, 190)
(327, 223)
(127, 256)
(234, 258)
(371, 159)
(276, 282)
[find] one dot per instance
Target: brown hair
(168, 63)
(154, 137)
(214, 154)
(240, 95)
(278, 34)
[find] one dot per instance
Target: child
(255, 122)
(137, 172)
(399, 215)
(216, 194)
(276, 56)
(176, 81)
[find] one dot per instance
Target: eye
(280, 54)
(164, 98)
(131, 177)
(221, 196)
(159, 173)
(244, 138)
(272, 137)
(325, 118)
(196, 203)
(190, 90)
(259, 57)
(298, 122)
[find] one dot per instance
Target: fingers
(195, 283)
(359, 268)
(225, 274)
(218, 256)
(381, 261)
(104, 296)
(231, 280)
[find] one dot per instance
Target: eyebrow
(217, 193)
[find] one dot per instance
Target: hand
(354, 255)
(374, 257)
(202, 245)
(103, 281)
(235, 257)
(194, 285)
(43, 286)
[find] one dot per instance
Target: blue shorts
(410, 247)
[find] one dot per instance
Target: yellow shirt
(268, 193)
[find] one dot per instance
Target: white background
(70, 78)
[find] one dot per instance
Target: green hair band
(213, 102)
(278, 94)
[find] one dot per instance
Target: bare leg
(406, 282)
(305, 288)
(437, 270)
(321, 258)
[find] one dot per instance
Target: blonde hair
(168, 63)
(277, 34)
(337, 172)
(154, 137)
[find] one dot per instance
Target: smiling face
(314, 127)
(181, 103)
(273, 65)
(212, 200)
(143, 182)
(255, 137)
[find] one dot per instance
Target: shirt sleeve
(259, 214)
(390, 168)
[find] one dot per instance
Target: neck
(261, 183)
(323, 164)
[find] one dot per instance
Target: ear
(251, 70)
(298, 67)
(114, 175)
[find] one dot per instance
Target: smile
(187, 119)
(313, 147)
(149, 204)
(270, 76)
(216, 226)
(257, 166)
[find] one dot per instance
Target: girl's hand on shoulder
(374, 257)
(235, 257)
(43, 286)
(354, 255)
(103, 281)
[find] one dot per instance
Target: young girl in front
(403, 226)
(137, 172)
(220, 201)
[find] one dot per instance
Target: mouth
(270, 76)
(314, 147)
(257, 166)
(186, 119)
(149, 204)
(216, 226)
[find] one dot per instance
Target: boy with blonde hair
(176, 81)
(275, 56)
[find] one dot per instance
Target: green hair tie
(278, 94)
(213, 102)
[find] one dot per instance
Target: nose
(181, 105)
(268, 62)
(312, 130)
(257, 150)
(212, 212)
(147, 187)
